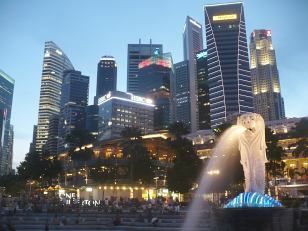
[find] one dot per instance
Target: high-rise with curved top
(265, 78)
(54, 63)
(229, 76)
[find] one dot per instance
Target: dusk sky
(87, 30)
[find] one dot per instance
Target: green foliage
(79, 138)
(301, 129)
(301, 149)
(274, 154)
(141, 167)
(187, 166)
(81, 155)
(178, 129)
(14, 184)
(36, 168)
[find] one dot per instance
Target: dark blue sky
(89, 29)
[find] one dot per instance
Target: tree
(301, 149)
(79, 138)
(30, 168)
(301, 129)
(141, 167)
(186, 166)
(178, 129)
(14, 184)
(274, 153)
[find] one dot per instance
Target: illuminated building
(229, 76)
(154, 76)
(106, 76)
(265, 78)
(136, 53)
(74, 99)
(118, 110)
(181, 92)
(192, 43)
(203, 90)
(92, 119)
(6, 100)
(55, 62)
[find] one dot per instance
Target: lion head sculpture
(255, 124)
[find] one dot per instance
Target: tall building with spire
(192, 43)
(6, 132)
(54, 63)
(265, 77)
(229, 76)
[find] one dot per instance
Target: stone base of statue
(255, 219)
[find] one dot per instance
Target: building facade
(106, 76)
(135, 54)
(155, 75)
(181, 92)
(203, 90)
(265, 78)
(192, 43)
(54, 63)
(32, 144)
(50, 148)
(229, 76)
(6, 100)
(92, 119)
(74, 99)
(118, 110)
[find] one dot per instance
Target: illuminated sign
(224, 17)
(157, 61)
(201, 55)
(269, 33)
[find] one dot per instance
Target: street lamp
(156, 179)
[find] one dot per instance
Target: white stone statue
(252, 147)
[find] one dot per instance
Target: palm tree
(137, 155)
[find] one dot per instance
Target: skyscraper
(92, 119)
(228, 64)
(265, 78)
(50, 148)
(135, 54)
(54, 63)
(181, 92)
(32, 144)
(106, 76)
(74, 99)
(6, 100)
(192, 43)
(203, 90)
(10, 149)
(155, 75)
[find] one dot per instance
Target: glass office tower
(203, 90)
(155, 75)
(54, 63)
(106, 76)
(74, 99)
(265, 78)
(229, 79)
(192, 43)
(6, 100)
(136, 53)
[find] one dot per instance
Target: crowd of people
(36, 203)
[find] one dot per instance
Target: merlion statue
(252, 147)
